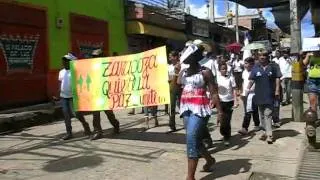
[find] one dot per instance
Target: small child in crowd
(228, 100)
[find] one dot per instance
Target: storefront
(36, 34)
(147, 28)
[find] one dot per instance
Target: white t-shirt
(285, 67)
(226, 85)
(171, 72)
(276, 60)
(65, 79)
(245, 77)
(237, 66)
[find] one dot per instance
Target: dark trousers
(225, 124)
(175, 94)
(150, 111)
(97, 120)
(247, 115)
(276, 111)
(112, 118)
(68, 114)
(286, 85)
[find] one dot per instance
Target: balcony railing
(172, 8)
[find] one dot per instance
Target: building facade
(35, 34)
(149, 26)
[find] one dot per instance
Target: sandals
(208, 167)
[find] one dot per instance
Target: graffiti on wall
(19, 51)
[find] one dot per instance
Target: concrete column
(297, 84)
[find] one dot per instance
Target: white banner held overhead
(311, 44)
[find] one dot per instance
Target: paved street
(37, 153)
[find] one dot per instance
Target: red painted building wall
(23, 55)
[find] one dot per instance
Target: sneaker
(243, 131)
(269, 139)
(96, 136)
(171, 130)
(226, 142)
(116, 128)
(67, 137)
(276, 125)
(256, 128)
(263, 137)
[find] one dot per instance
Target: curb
(18, 119)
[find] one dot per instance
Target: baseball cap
(69, 56)
(97, 52)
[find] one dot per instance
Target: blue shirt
(265, 82)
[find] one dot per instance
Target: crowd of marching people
(200, 82)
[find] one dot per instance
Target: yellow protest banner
(121, 82)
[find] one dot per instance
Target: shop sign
(19, 51)
(200, 28)
(86, 48)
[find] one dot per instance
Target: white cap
(70, 57)
(197, 42)
(188, 43)
(190, 50)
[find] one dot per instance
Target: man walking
(267, 89)
(285, 64)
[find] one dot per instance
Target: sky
(198, 8)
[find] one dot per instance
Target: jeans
(265, 113)
(68, 113)
(247, 115)
(286, 85)
(175, 93)
(276, 111)
(195, 132)
(225, 124)
(151, 110)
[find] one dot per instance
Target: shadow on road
(228, 167)
(68, 164)
(236, 142)
(139, 134)
(280, 133)
(285, 121)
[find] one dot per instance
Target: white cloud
(201, 11)
(242, 10)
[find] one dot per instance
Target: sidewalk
(16, 119)
(37, 153)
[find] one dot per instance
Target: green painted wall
(59, 39)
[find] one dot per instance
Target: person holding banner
(110, 115)
(96, 122)
(195, 106)
(66, 97)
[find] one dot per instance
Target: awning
(136, 27)
(260, 3)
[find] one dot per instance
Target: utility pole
(297, 68)
(227, 10)
(211, 10)
(237, 22)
